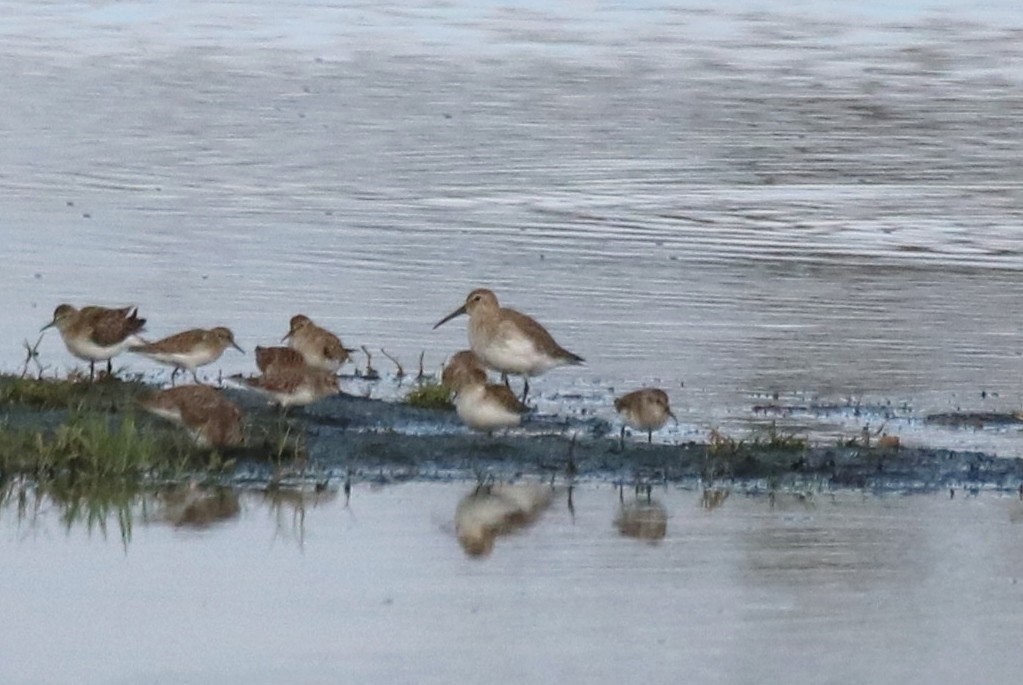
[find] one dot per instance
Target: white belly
(91, 352)
(515, 354)
(187, 360)
(482, 413)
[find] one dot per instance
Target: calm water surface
(806, 200)
(840, 589)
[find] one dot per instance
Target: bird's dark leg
(504, 379)
(92, 371)
(649, 436)
(195, 377)
(525, 388)
(110, 367)
(174, 373)
(621, 439)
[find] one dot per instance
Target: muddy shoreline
(345, 439)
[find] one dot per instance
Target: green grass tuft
(429, 396)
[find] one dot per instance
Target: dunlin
(488, 406)
(320, 348)
(463, 368)
(272, 359)
(293, 386)
(212, 419)
(96, 333)
(189, 349)
(509, 341)
(645, 409)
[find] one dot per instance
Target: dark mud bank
(347, 438)
(372, 439)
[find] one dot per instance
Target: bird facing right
(646, 410)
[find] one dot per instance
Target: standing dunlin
(645, 409)
(212, 419)
(509, 341)
(293, 386)
(97, 333)
(189, 349)
(320, 348)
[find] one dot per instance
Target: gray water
(807, 200)
(804, 200)
(836, 589)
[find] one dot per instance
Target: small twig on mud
(420, 377)
(401, 371)
(371, 373)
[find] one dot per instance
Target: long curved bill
(457, 312)
(235, 346)
(54, 323)
(672, 415)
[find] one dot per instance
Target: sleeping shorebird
(462, 368)
(212, 419)
(293, 386)
(271, 359)
(509, 341)
(97, 333)
(190, 349)
(645, 409)
(487, 406)
(320, 348)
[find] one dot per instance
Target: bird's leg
(504, 379)
(92, 371)
(110, 368)
(525, 388)
(650, 436)
(621, 440)
(195, 377)
(174, 373)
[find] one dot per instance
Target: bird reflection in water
(196, 506)
(289, 505)
(492, 510)
(643, 518)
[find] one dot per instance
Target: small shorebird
(212, 419)
(487, 406)
(293, 386)
(189, 349)
(271, 359)
(463, 368)
(320, 348)
(509, 341)
(645, 409)
(97, 333)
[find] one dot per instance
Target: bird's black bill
(457, 312)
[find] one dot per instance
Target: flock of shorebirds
(305, 371)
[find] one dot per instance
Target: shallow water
(843, 589)
(807, 200)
